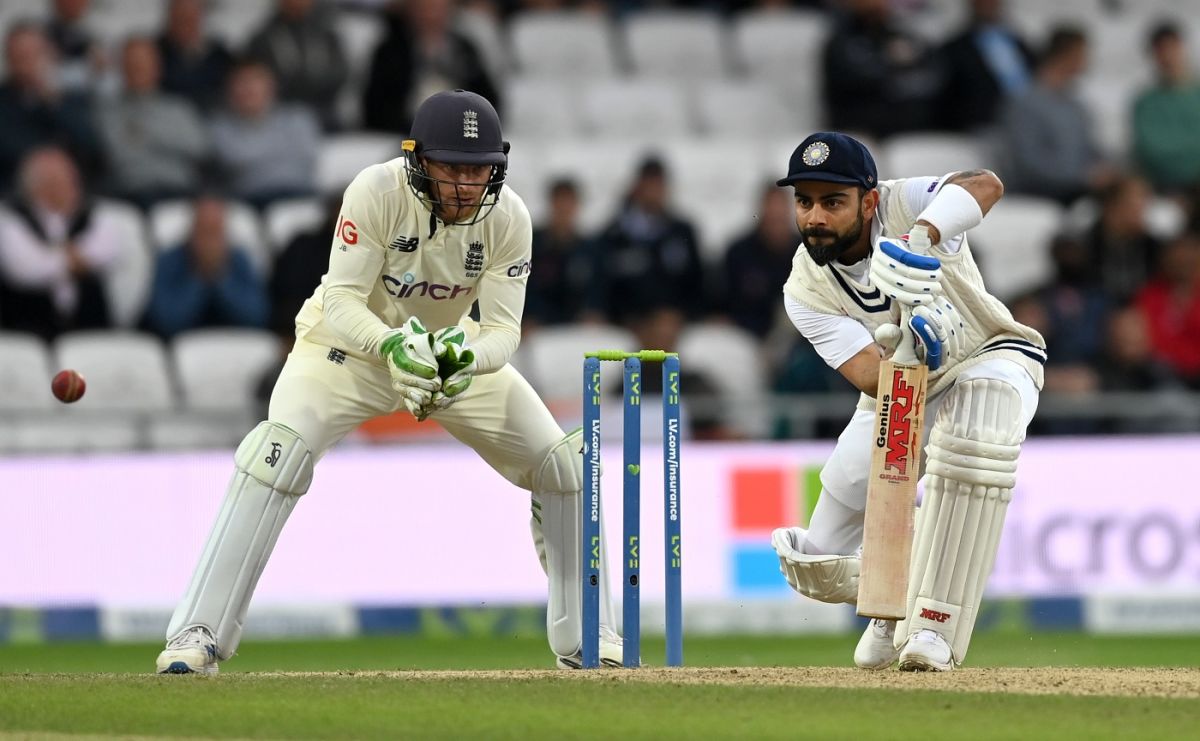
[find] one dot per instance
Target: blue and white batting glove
(910, 278)
(937, 333)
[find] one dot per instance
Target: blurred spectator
(194, 66)
(205, 282)
(877, 78)
(649, 255)
(264, 151)
(1171, 305)
(299, 269)
(1166, 117)
(1129, 363)
(300, 46)
(1048, 133)
(55, 250)
(421, 55)
(35, 112)
(155, 143)
(757, 264)
(1075, 307)
(984, 64)
(1122, 252)
(80, 61)
(564, 285)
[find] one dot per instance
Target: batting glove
(902, 274)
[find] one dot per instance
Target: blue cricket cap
(833, 158)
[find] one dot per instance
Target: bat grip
(906, 351)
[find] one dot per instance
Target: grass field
(1071, 687)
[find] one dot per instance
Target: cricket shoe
(191, 652)
(876, 649)
(927, 651)
(611, 653)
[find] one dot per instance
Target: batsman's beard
(823, 255)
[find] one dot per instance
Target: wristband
(953, 211)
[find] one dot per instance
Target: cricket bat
(892, 487)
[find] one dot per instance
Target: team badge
(816, 153)
(470, 125)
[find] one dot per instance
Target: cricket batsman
(419, 240)
(870, 248)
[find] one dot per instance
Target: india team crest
(816, 153)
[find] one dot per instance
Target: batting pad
(274, 467)
(557, 526)
(972, 466)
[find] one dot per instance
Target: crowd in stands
(150, 118)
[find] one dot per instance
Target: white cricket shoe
(926, 651)
(876, 649)
(191, 652)
(611, 653)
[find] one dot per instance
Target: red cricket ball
(68, 386)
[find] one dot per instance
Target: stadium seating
(343, 156)
(25, 373)
(125, 371)
(540, 107)
(554, 356)
(637, 110)
(284, 220)
(564, 45)
(910, 155)
(1012, 244)
(711, 350)
(235, 21)
(112, 21)
(128, 281)
(742, 108)
(220, 369)
(678, 44)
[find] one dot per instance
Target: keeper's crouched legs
(557, 529)
(273, 469)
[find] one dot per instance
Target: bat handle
(906, 351)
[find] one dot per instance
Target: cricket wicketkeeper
(419, 240)
(849, 280)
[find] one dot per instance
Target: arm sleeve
(24, 261)
(502, 297)
(100, 245)
(355, 261)
(835, 338)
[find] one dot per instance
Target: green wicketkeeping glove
(456, 362)
(413, 365)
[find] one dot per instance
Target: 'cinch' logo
(410, 287)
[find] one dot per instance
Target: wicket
(632, 495)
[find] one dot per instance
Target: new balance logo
(929, 614)
(470, 125)
(405, 244)
(336, 356)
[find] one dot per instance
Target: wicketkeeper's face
(458, 189)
